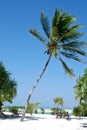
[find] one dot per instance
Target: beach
(43, 122)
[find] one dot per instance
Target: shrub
(43, 110)
(13, 109)
(80, 110)
(36, 111)
(77, 111)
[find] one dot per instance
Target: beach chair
(59, 115)
(66, 115)
(15, 112)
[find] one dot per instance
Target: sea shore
(43, 122)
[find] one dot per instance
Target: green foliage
(58, 101)
(31, 107)
(36, 111)
(80, 88)
(37, 34)
(62, 38)
(13, 109)
(43, 110)
(77, 111)
(67, 69)
(45, 24)
(8, 85)
(55, 110)
(80, 110)
(9, 108)
(1, 104)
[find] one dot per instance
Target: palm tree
(80, 88)
(61, 40)
(32, 107)
(58, 101)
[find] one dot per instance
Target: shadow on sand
(7, 116)
(13, 116)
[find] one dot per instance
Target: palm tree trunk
(34, 86)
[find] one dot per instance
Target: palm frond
(55, 30)
(77, 50)
(70, 35)
(62, 19)
(74, 50)
(54, 34)
(61, 28)
(37, 35)
(56, 17)
(73, 30)
(65, 21)
(75, 27)
(72, 56)
(77, 44)
(67, 69)
(45, 24)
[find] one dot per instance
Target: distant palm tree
(32, 107)
(58, 101)
(61, 40)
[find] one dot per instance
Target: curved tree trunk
(33, 88)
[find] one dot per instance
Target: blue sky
(23, 55)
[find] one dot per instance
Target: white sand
(42, 122)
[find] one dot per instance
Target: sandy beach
(43, 122)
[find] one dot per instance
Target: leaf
(72, 56)
(67, 69)
(37, 35)
(45, 24)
